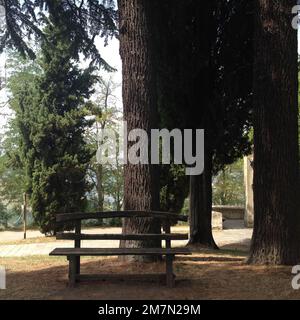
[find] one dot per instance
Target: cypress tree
(205, 82)
(52, 124)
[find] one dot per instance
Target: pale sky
(111, 55)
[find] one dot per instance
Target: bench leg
(169, 271)
(72, 271)
(78, 266)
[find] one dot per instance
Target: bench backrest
(66, 217)
(166, 218)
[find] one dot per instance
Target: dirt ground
(206, 274)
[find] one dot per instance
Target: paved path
(18, 235)
(235, 238)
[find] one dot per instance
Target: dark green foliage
(21, 23)
(232, 66)
(15, 179)
(205, 73)
(83, 21)
(50, 109)
(12, 178)
(60, 153)
(205, 59)
(174, 187)
(51, 120)
(3, 216)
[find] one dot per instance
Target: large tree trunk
(276, 213)
(201, 206)
(141, 186)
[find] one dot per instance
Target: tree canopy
(83, 22)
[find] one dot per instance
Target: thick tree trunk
(201, 207)
(276, 213)
(141, 186)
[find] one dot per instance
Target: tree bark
(201, 206)
(276, 178)
(99, 186)
(141, 182)
(201, 117)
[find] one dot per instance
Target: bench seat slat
(118, 251)
(64, 217)
(82, 236)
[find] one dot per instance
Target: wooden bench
(74, 254)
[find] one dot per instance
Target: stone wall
(231, 212)
(217, 220)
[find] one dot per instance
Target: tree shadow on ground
(198, 277)
(241, 246)
(209, 258)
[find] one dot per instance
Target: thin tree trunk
(276, 211)
(99, 186)
(196, 206)
(141, 182)
(201, 206)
